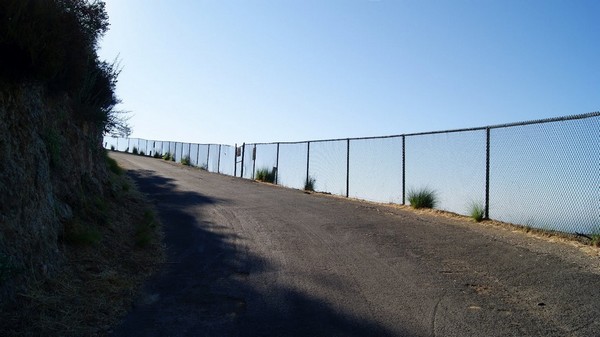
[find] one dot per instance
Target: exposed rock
(46, 170)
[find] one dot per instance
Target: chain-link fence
(542, 174)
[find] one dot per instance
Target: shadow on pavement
(203, 288)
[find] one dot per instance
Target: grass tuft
(81, 235)
(135, 150)
(112, 147)
(142, 153)
(309, 185)
(145, 229)
(113, 166)
(186, 161)
(157, 155)
(422, 198)
(265, 175)
(167, 156)
(595, 240)
(477, 211)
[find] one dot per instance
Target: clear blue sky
(261, 71)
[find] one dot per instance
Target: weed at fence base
(477, 211)
(422, 198)
(310, 184)
(265, 175)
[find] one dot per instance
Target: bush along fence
(541, 174)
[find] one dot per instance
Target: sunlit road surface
(251, 259)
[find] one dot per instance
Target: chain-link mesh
(292, 165)
(376, 169)
(248, 168)
(203, 156)
(194, 154)
(213, 158)
(547, 175)
(327, 166)
(226, 159)
(543, 174)
(452, 165)
(266, 157)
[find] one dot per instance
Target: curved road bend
(250, 259)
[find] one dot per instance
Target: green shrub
(54, 43)
(142, 153)
(266, 175)
(309, 185)
(186, 160)
(135, 150)
(167, 156)
(422, 198)
(156, 155)
(477, 211)
(112, 147)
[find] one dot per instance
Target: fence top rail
(172, 141)
(496, 126)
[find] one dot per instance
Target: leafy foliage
(186, 160)
(54, 43)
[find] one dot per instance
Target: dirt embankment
(76, 239)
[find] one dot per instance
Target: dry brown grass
(96, 286)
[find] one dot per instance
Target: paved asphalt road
(250, 259)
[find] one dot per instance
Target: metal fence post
(277, 165)
(253, 161)
(242, 165)
(403, 170)
(219, 160)
(487, 173)
(207, 157)
(235, 161)
(307, 162)
(198, 156)
(347, 168)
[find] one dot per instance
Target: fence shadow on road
(204, 290)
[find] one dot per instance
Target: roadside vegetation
(422, 198)
(477, 211)
(595, 240)
(79, 238)
(110, 246)
(186, 161)
(309, 185)
(265, 175)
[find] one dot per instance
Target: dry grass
(590, 245)
(96, 286)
